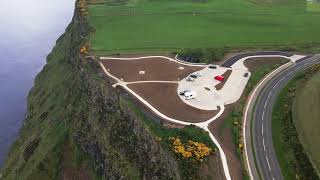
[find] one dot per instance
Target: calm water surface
(28, 31)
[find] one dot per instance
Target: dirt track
(164, 97)
(156, 69)
(224, 136)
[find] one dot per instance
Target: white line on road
(264, 146)
(269, 94)
(265, 105)
(253, 94)
(268, 164)
(203, 124)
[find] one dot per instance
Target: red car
(219, 78)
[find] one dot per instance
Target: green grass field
(313, 6)
(307, 117)
(167, 25)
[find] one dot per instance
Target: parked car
(195, 75)
(190, 95)
(246, 74)
(183, 92)
(189, 79)
(211, 66)
(219, 78)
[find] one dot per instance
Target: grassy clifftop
(79, 127)
(75, 126)
(162, 25)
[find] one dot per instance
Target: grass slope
(291, 155)
(38, 152)
(145, 25)
(307, 117)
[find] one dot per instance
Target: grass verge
(306, 116)
(291, 156)
(234, 120)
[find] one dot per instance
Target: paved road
(229, 62)
(267, 163)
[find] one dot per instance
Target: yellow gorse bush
(84, 50)
(191, 149)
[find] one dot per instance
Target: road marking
(261, 84)
(269, 94)
(265, 104)
(264, 147)
(282, 78)
(268, 163)
(262, 128)
(224, 162)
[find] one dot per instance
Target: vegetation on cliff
(78, 126)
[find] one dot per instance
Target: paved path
(149, 57)
(231, 62)
(203, 125)
(267, 163)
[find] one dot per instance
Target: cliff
(78, 127)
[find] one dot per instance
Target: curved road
(262, 142)
(266, 160)
(230, 61)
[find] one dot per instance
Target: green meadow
(168, 25)
(307, 118)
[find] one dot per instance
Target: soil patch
(212, 168)
(226, 76)
(227, 144)
(156, 69)
(164, 97)
(254, 63)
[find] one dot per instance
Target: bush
(202, 55)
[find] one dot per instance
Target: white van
(190, 95)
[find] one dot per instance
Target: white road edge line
(223, 157)
(247, 113)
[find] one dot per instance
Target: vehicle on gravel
(183, 92)
(246, 74)
(195, 75)
(190, 95)
(189, 79)
(211, 66)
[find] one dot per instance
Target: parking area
(164, 98)
(186, 92)
(211, 91)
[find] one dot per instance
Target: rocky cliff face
(77, 121)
